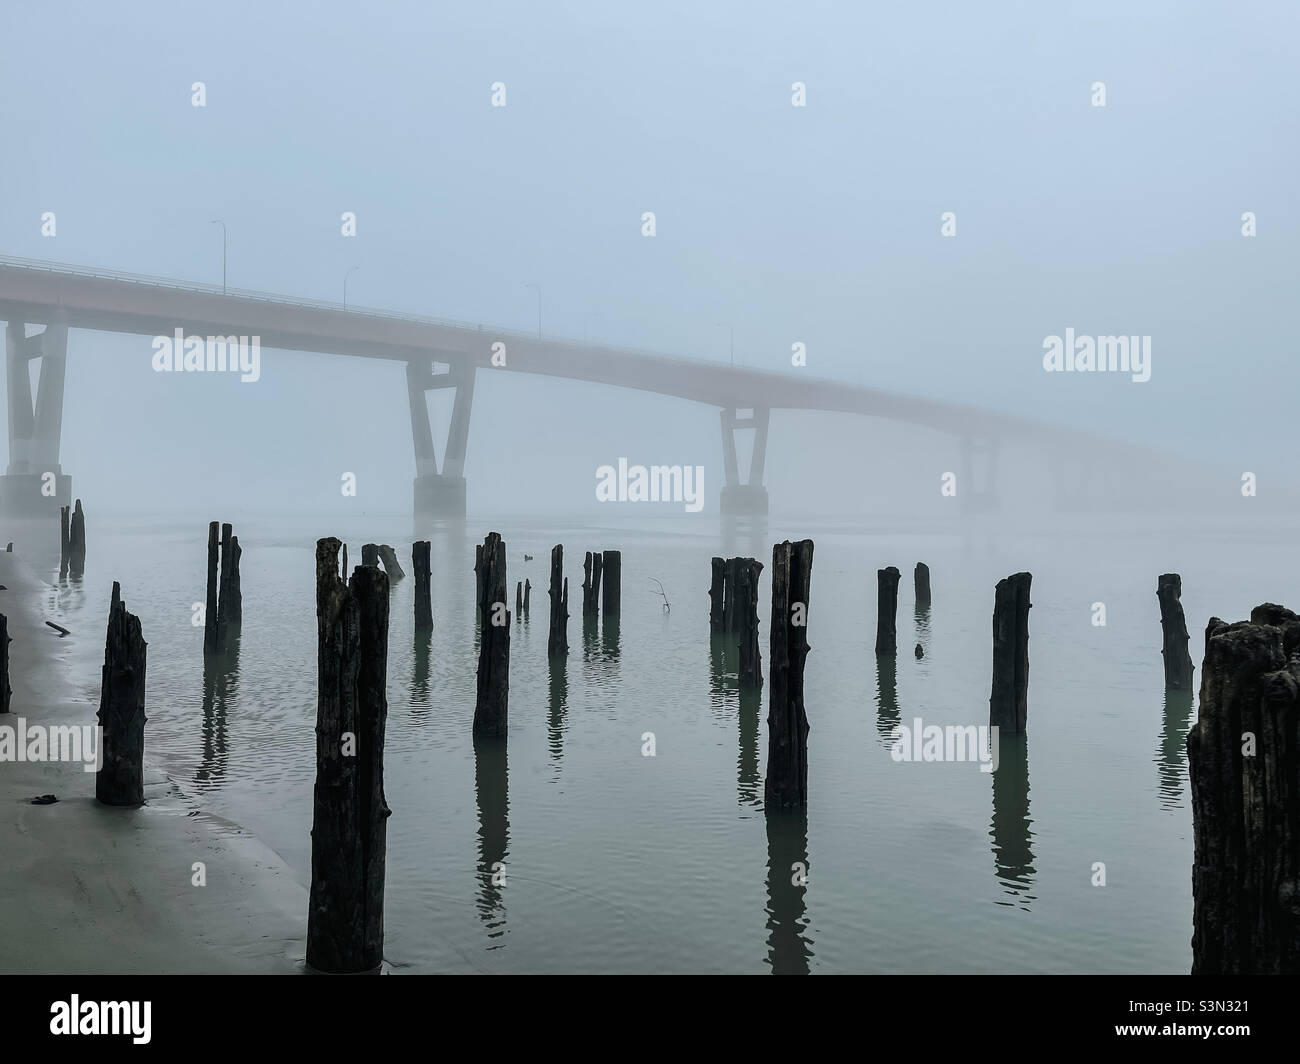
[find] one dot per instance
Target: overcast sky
(817, 224)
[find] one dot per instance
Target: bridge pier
(34, 484)
(749, 498)
(979, 498)
(439, 492)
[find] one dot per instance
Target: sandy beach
(85, 888)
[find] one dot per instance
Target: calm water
(616, 862)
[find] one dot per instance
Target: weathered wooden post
(77, 542)
(921, 582)
(787, 723)
(751, 658)
(528, 587)
(210, 615)
(6, 692)
(1178, 662)
(64, 539)
(887, 610)
(345, 918)
(519, 599)
(370, 554)
(717, 595)
(120, 778)
(612, 595)
(731, 596)
(423, 576)
(1008, 704)
(591, 573)
(1242, 757)
(391, 565)
(230, 609)
(491, 711)
(558, 640)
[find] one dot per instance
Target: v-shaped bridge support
(34, 483)
(440, 492)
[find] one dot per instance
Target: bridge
(437, 354)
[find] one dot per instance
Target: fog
(778, 224)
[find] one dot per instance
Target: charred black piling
(557, 642)
(423, 577)
(751, 658)
(787, 722)
(1173, 624)
(1008, 703)
(77, 542)
(612, 595)
(717, 595)
(491, 711)
(120, 779)
(921, 583)
(887, 610)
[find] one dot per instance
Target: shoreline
(88, 889)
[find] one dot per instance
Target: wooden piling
(731, 596)
(519, 598)
(887, 610)
(370, 554)
(6, 692)
(65, 513)
(210, 639)
(528, 587)
(751, 658)
(77, 542)
(491, 710)
(120, 778)
(1178, 661)
(345, 919)
(391, 565)
(1242, 758)
(921, 583)
(423, 580)
(612, 595)
(230, 609)
(1008, 703)
(557, 642)
(717, 595)
(787, 722)
(592, 567)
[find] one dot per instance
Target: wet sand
(85, 888)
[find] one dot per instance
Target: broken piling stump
(65, 513)
(120, 778)
(528, 587)
(887, 610)
(1008, 703)
(391, 565)
(612, 574)
(423, 579)
(345, 918)
(751, 658)
(77, 542)
(591, 572)
(370, 554)
(1242, 759)
(921, 583)
(557, 642)
(491, 710)
(519, 598)
(210, 606)
(717, 595)
(1173, 624)
(787, 722)
(230, 608)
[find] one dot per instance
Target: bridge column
(34, 483)
(738, 498)
(979, 494)
(439, 492)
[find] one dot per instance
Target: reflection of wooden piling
(717, 594)
(5, 690)
(65, 513)
(1178, 662)
(345, 920)
(887, 610)
(391, 565)
(120, 779)
(423, 576)
(1246, 798)
(751, 658)
(787, 723)
(370, 554)
(77, 542)
(921, 581)
(210, 641)
(492, 707)
(612, 595)
(1008, 704)
(558, 641)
